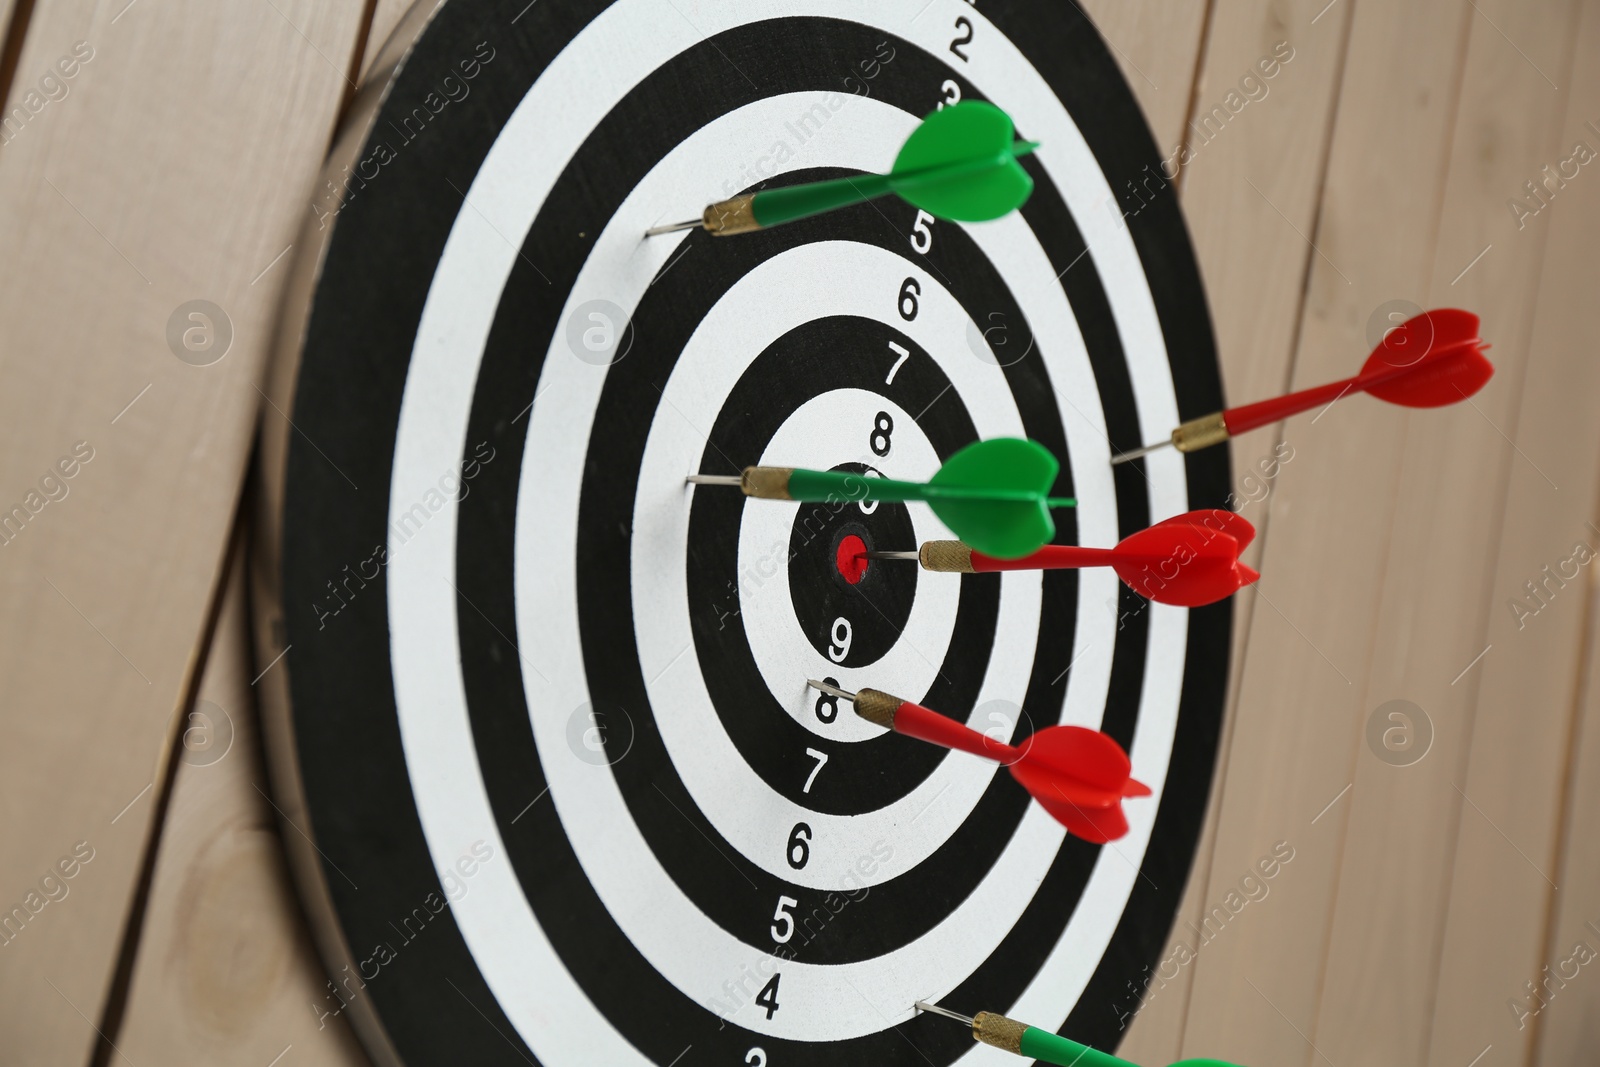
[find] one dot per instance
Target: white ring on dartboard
(813, 281)
(513, 182)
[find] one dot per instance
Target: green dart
(992, 494)
(960, 164)
(1042, 1045)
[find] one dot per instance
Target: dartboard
(544, 707)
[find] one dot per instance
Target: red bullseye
(851, 558)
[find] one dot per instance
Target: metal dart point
(831, 690)
(923, 1005)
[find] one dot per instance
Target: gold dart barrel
(877, 707)
(767, 483)
(999, 1031)
(948, 557)
(1200, 433)
(728, 217)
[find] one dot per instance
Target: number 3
(756, 1057)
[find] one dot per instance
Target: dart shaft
(822, 486)
(1443, 364)
(953, 557)
(1265, 412)
(1046, 1047)
(1050, 557)
(1037, 1044)
(775, 206)
(925, 724)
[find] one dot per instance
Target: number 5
(921, 236)
(782, 915)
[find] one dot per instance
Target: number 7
(821, 758)
(905, 354)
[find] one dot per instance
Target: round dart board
(542, 711)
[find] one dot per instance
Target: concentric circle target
(543, 705)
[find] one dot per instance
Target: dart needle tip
(831, 690)
(657, 231)
(1136, 453)
(923, 1005)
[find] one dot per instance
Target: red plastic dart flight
(1076, 774)
(1428, 361)
(1189, 560)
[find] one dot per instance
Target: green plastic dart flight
(960, 165)
(992, 494)
(1042, 1045)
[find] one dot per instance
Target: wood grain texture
(1508, 787)
(1568, 1028)
(386, 15)
(1157, 45)
(1372, 978)
(1383, 606)
(1417, 903)
(176, 168)
(226, 972)
(1248, 184)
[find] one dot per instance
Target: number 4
(905, 354)
(821, 758)
(768, 997)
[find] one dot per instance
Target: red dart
(1188, 560)
(1428, 361)
(1076, 774)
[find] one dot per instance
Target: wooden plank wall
(174, 169)
(1376, 168)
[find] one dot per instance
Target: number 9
(842, 633)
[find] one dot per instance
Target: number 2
(905, 354)
(962, 23)
(756, 1057)
(951, 94)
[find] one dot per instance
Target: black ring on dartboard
(810, 360)
(686, 844)
(358, 340)
(690, 850)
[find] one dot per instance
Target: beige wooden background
(177, 164)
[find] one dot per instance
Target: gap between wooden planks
(149, 184)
